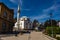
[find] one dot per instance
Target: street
(33, 36)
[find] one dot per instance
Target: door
(3, 27)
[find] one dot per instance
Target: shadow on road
(14, 33)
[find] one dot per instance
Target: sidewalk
(49, 37)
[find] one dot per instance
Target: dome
(24, 18)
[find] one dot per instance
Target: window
(10, 27)
(26, 23)
(21, 23)
(5, 14)
(0, 9)
(3, 26)
(10, 17)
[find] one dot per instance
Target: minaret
(18, 16)
(17, 24)
(18, 13)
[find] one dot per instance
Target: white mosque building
(24, 23)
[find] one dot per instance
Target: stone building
(6, 18)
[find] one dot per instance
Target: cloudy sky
(35, 9)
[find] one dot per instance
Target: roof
(1, 3)
(24, 18)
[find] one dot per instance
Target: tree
(35, 23)
(41, 27)
(48, 23)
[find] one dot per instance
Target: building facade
(58, 23)
(24, 23)
(6, 18)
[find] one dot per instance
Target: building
(6, 18)
(35, 24)
(58, 23)
(24, 23)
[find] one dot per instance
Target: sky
(35, 9)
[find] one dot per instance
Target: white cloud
(53, 8)
(40, 17)
(25, 9)
(16, 1)
(15, 11)
(21, 2)
(45, 12)
(50, 9)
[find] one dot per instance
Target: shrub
(58, 38)
(56, 30)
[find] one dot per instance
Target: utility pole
(51, 23)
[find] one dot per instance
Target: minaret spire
(17, 24)
(18, 11)
(18, 14)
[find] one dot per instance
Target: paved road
(32, 36)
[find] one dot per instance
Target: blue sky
(35, 9)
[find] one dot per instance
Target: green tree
(48, 23)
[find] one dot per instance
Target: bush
(56, 30)
(58, 38)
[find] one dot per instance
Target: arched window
(5, 14)
(0, 9)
